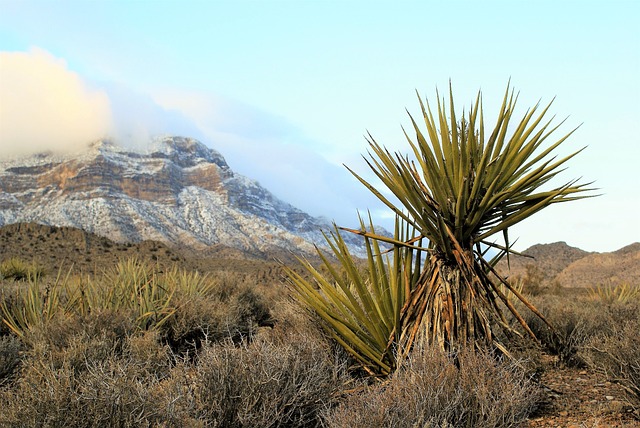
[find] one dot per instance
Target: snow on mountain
(177, 191)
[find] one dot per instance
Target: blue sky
(287, 89)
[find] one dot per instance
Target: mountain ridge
(177, 191)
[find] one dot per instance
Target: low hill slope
(561, 264)
(622, 266)
(67, 248)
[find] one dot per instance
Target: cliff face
(179, 192)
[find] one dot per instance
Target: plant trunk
(449, 306)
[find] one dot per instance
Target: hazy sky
(287, 89)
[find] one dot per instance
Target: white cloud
(44, 106)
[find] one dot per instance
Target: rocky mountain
(177, 191)
(561, 264)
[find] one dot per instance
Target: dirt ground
(580, 398)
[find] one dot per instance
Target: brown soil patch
(581, 398)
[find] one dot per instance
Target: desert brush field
(138, 340)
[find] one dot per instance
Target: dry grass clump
(435, 390)
(94, 370)
(285, 376)
(266, 383)
(114, 391)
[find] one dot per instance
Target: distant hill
(604, 268)
(568, 266)
(55, 248)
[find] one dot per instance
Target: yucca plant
(19, 270)
(135, 285)
(35, 306)
(459, 188)
(621, 293)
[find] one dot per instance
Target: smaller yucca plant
(188, 283)
(135, 285)
(19, 270)
(621, 293)
(34, 305)
(360, 304)
(131, 286)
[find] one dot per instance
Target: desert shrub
(574, 323)
(114, 326)
(19, 270)
(113, 392)
(435, 390)
(617, 353)
(74, 342)
(227, 313)
(10, 356)
(87, 377)
(534, 281)
(266, 383)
